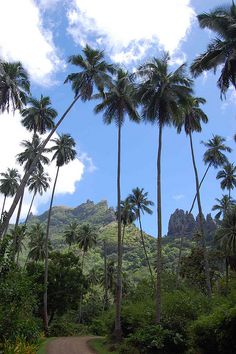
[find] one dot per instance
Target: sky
(42, 34)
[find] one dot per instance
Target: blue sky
(51, 31)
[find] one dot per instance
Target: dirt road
(69, 345)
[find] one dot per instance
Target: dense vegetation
(90, 269)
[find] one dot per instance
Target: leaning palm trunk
(206, 264)
(144, 247)
(19, 209)
(45, 295)
(3, 206)
(31, 204)
(31, 169)
(118, 331)
(194, 200)
(159, 229)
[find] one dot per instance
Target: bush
(215, 333)
(20, 346)
(65, 326)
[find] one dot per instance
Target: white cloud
(178, 196)
(11, 134)
(23, 37)
(128, 30)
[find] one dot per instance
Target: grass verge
(44, 342)
(100, 346)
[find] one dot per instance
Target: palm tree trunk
(27, 217)
(192, 206)
(19, 209)
(206, 264)
(227, 275)
(182, 235)
(144, 247)
(27, 174)
(105, 277)
(159, 229)
(118, 330)
(3, 206)
(45, 295)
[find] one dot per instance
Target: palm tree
(39, 116)
(128, 216)
(14, 86)
(26, 158)
(37, 183)
(87, 238)
(37, 244)
(226, 238)
(116, 104)
(64, 152)
(71, 233)
(221, 51)
(140, 203)
(224, 204)
(159, 93)
(191, 122)
(18, 235)
(213, 157)
(228, 177)
(8, 185)
(94, 74)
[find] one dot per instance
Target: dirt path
(69, 345)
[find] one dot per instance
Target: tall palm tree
(191, 122)
(228, 177)
(39, 115)
(18, 235)
(26, 158)
(8, 185)
(87, 238)
(71, 233)
(140, 203)
(223, 206)
(94, 74)
(226, 234)
(213, 157)
(221, 51)
(159, 93)
(37, 244)
(64, 152)
(116, 104)
(37, 183)
(14, 86)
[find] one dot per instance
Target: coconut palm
(63, 153)
(116, 104)
(140, 203)
(94, 74)
(226, 239)
(221, 51)
(37, 244)
(18, 235)
(39, 115)
(213, 157)
(87, 238)
(71, 233)
(128, 216)
(37, 183)
(26, 158)
(14, 86)
(228, 177)
(8, 185)
(191, 122)
(223, 205)
(160, 92)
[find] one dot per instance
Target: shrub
(63, 327)
(20, 346)
(215, 333)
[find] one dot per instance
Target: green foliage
(20, 346)
(215, 333)
(16, 308)
(66, 326)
